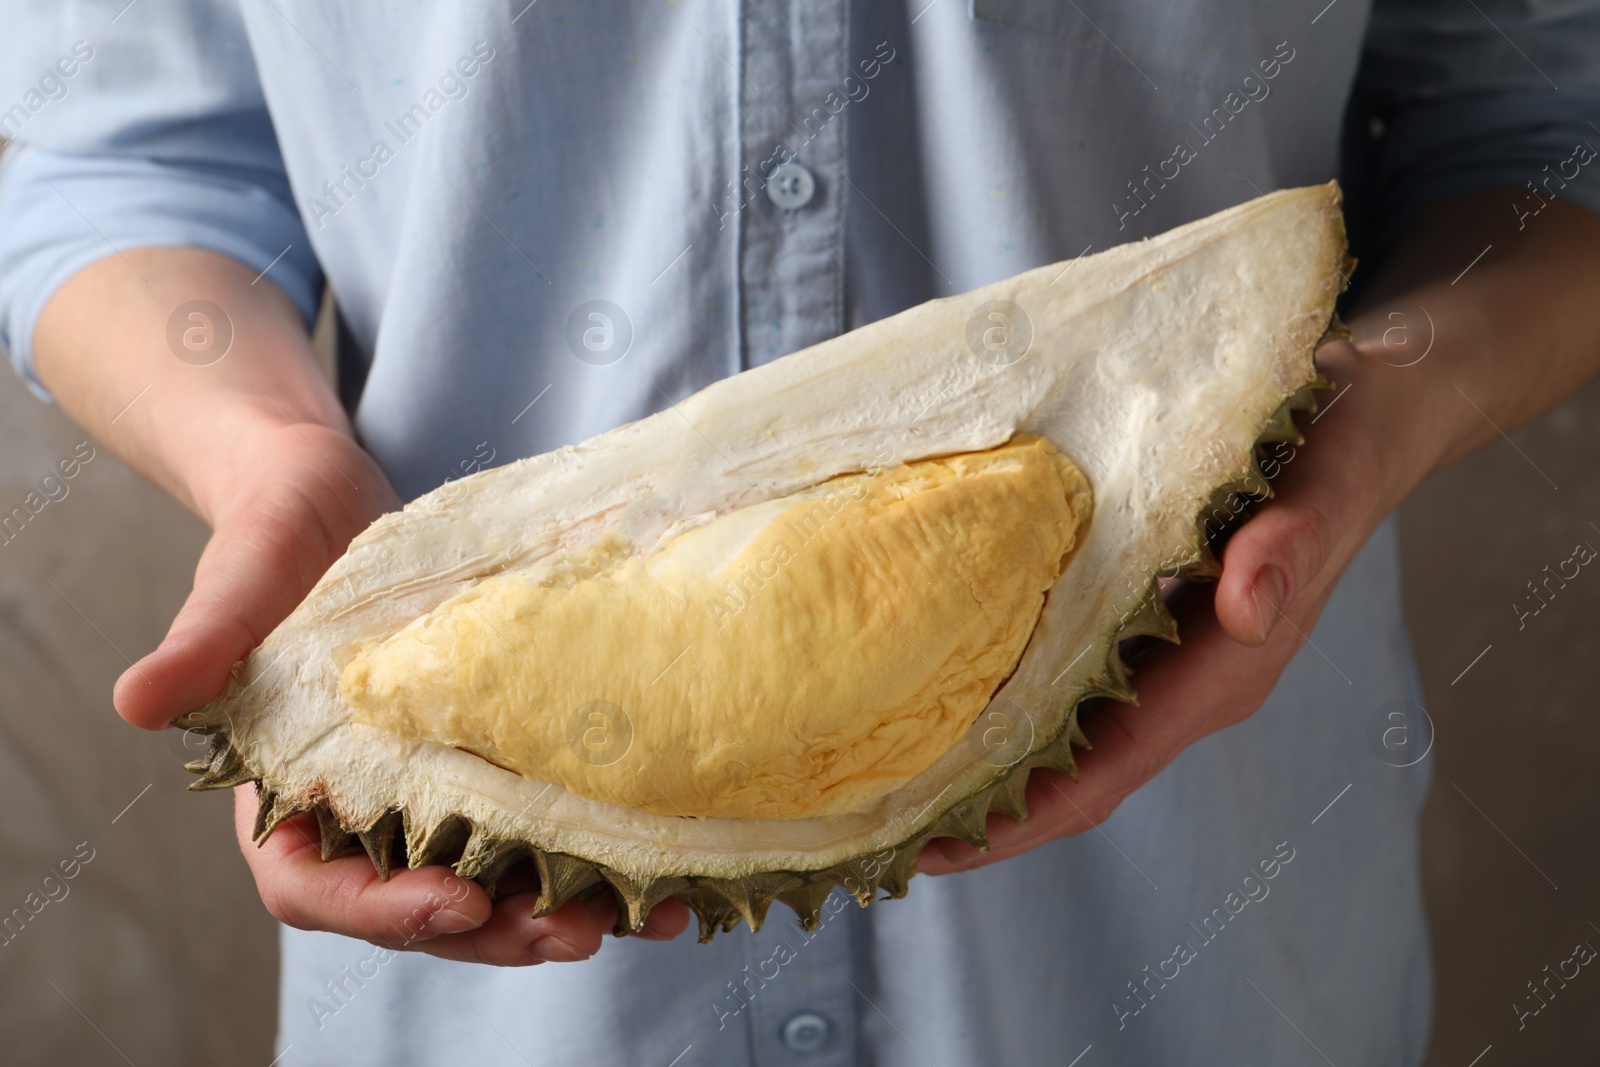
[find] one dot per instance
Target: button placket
(801, 1007)
(791, 186)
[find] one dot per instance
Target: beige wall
(1517, 736)
(161, 950)
(158, 941)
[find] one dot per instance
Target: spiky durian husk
(475, 828)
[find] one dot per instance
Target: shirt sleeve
(135, 128)
(1470, 95)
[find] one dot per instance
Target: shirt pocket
(1212, 43)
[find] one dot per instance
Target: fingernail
(1271, 589)
(450, 921)
(552, 948)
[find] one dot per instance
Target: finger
(666, 921)
(1320, 511)
(1058, 806)
(1048, 818)
(513, 937)
(430, 909)
(1210, 682)
(345, 895)
(1270, 563)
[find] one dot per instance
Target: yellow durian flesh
(800, 657)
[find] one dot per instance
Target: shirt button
(791, 186)
(805, 1031)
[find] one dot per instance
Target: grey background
(161, 954)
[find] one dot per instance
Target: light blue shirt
(542, 221)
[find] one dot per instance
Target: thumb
(1281, 564)
(1270, 566)
(240, 593)
(262, 559)
(1328, 490)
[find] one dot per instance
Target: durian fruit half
(775, 638)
